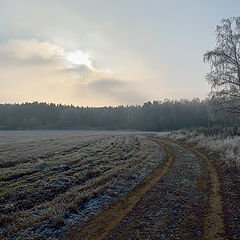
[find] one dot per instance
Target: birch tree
(224, 60)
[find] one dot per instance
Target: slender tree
(224, 60)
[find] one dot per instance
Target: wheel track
(213, 224)
(213, 220)
(104, 222)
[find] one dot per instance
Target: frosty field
(52, 180)
(106, 185)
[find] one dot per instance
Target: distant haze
(96, 53)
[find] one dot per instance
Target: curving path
(179, 200)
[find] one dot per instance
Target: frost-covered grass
(50, 181)
(228, 147)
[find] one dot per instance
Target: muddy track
(100, 225)
(180, 199)
(213, 220)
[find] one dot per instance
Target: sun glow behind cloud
(79, 58)
(33, 70)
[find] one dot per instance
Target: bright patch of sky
(79, 58)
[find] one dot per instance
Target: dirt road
(179, 200)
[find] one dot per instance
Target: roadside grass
(224, 142)
(50, 188)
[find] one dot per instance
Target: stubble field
(52, 181)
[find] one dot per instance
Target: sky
(107, 52)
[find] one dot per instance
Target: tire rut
(100, 225)
(180, 199)
(213, 220)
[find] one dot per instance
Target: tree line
(151, 116)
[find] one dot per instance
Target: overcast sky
(106, 52)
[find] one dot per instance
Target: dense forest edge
(151, 116)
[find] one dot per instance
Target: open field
(115, 185)
(51, 180)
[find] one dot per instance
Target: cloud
(29, 47)
(32, 70)
(106, 84)
(118, 90)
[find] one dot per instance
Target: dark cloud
(116, 89)
(106, 84)
(77, 69)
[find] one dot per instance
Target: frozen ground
(52, 180)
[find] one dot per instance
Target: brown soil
(213, 221)
(230, 181)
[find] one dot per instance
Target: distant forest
(151, 116)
